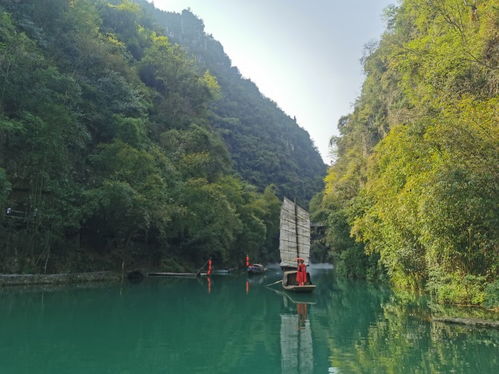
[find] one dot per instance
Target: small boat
(256, 269)
(294, 244)
(289, 282)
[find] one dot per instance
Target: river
(232, 324)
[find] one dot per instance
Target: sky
(303, 54)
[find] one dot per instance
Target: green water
(180, 326)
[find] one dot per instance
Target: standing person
(210, 267)
(301, 274)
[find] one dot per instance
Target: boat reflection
(297, 354)
(208, 279)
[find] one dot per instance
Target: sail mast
(296, 231)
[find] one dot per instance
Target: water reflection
(176, 326)
(208, 281)
(297, 353)
(371, 330)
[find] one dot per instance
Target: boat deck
(289, 283)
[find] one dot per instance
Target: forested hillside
(413, 192)
(119, 148)
(265, 144)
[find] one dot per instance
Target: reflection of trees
(177, 327)
(348, 309)
(371, 332)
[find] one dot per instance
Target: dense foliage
(109, 153)
(413, 191)
(266, 145)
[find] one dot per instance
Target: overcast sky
(303, 54)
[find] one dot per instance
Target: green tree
(415, 176)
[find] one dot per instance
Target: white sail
(294, 238)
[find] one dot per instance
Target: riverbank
(64, 278)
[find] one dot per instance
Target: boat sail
(294, 242)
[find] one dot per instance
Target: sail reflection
(297, 354)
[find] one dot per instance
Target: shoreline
(7, 280)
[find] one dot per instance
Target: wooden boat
(294, 243)
(256, 269)
(289, 282)
(296, 298)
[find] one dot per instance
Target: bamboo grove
(412, 194)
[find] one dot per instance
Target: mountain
(265, 144)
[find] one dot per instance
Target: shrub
(492, 295)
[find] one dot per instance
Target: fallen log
(468, 321)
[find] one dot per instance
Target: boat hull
(305, 288)
(256, 269)
(289, 283)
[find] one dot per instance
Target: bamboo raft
(175, 275)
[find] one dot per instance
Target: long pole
(201, 268)
(296, 230)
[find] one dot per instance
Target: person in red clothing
(301, 309)
(301, 274)
(210, 267)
